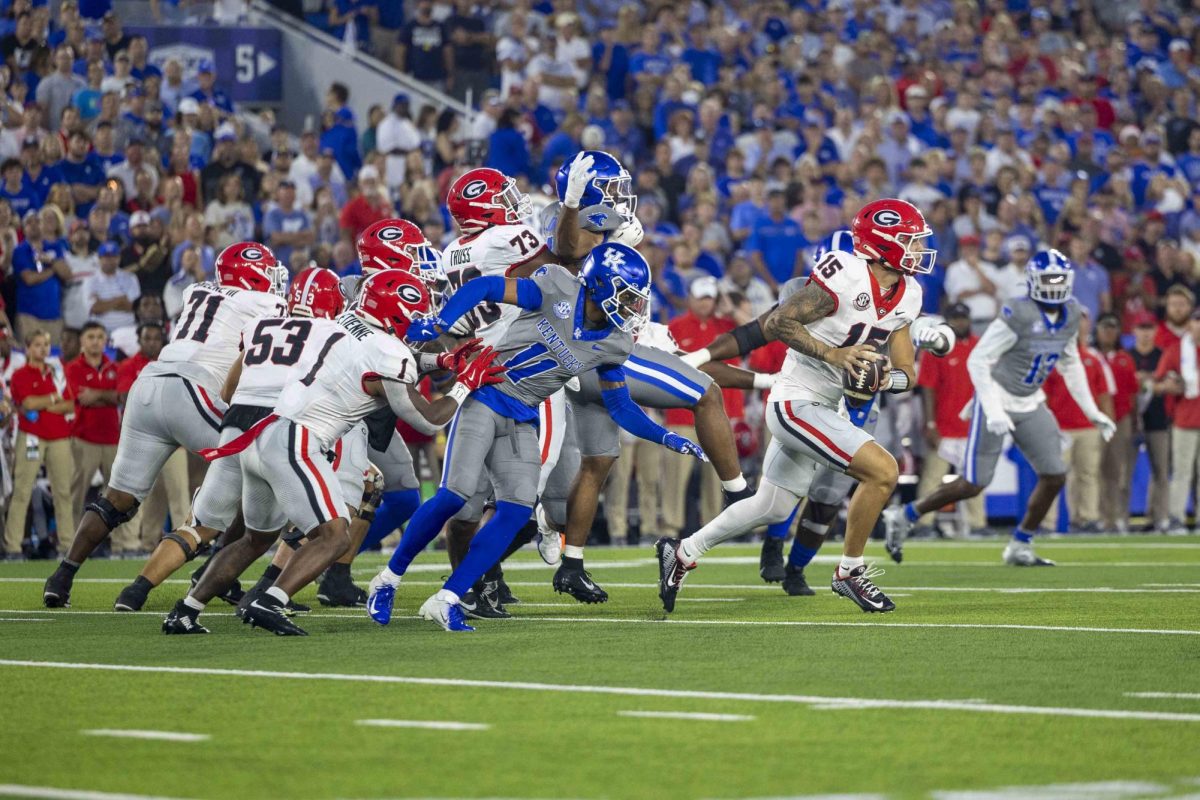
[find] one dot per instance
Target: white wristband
(696, 359)
(458, 393)
(763, 380)
(899, 381)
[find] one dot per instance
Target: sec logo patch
(562, 310)
(862, 301)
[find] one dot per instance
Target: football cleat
(550, 541)
(1020, 554)
(336, 589)
(671, 571)
(579, 584)
(380, 598)
(504, 594)
(794, 583)
(232, 595)
(738, 496)
(56, 593)
(896, 527)
(269, 614)
(770, 561)
(292, 608)
(131, 598)
(477, 605)
(439, 609)
(182, 619)
(857, 586)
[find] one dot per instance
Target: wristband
(763, 380)
(458, 393)
(697, 358)
(427, 362)
(899, 381)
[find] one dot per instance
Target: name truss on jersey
(560, 349)
(460, 258)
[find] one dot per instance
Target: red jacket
(1124, 373)
(1070, 417)
(95, 424)
(691, 334)
(1186, 413)
(948, 377)
(29, 381)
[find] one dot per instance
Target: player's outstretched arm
(522, 292)
(903, 355)
(632, 418)
(570, 243)
(728, 376)
(739, 342)
(427, 416)
(788, 323)
(1074, 376)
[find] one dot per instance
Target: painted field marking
(742, 622)
(1165, 695)
(709, 599)
(54, 793)
(23, 619)
(838, 703)
(426, 724)
(696, 715)
(157, 736)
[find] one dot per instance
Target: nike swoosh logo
(467, 607)
(254, 604)
(597, 347)
(873, 604)
(587, 583)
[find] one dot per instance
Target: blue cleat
(379, 602)
(439, 609)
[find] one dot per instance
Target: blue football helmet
(840, 240)
(612, 185)
(617, 278)
(1050, 277)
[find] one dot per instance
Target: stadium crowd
(753, 131)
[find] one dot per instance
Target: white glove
(579, 178)
(1107, 427)
(630, 233)
(764, 381)
(461, 327)
(1000, 424)
(696, 359)
(936, 337)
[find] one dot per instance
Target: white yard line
(709, 599)
(53, 793)
(158, 736)
(697, 715)
(425, 724)
(1165, 695)
(839, 703)
(23, 619)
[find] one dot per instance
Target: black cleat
(857, 586)
(795, 584)
(269, 614)
(770, 562)
(737, 497)
(337, 590)
(182, 619)
(232, 595)
(132, 597)
(478, 605)
(579, 584)
(255, 593)
(56, 593)
(671, 571)
(506, 597)
(293, 608)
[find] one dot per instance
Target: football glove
(681, 444)
(1000, 424)
(579, 178)
(481, 371)
(1107, 427)
(456, 360)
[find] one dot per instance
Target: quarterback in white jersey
(853, 306)
(176, 400)
(338, 373)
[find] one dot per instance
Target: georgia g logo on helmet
(390, 234)
(409, 294)
(474, 189)
(252, 254)
(886, 218)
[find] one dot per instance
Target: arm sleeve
(489, 288)
(624, 411)
(995, 342)
(1074, 376)
(402, 406)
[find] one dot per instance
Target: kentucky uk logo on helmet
(613, 259)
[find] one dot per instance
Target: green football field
(1081, 681)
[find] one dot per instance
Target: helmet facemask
(618, 193)
(628, 307)
(516, 204)
(1052, 286)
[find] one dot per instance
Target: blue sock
(780, 529)
(800, 556)
(394, 510)
(911, 513)
(1022, 536)
(424, 527)
(487, 546)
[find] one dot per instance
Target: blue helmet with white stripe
(1050, 277)
(611, 187)
(617, 278)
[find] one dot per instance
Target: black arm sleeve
(749, 337)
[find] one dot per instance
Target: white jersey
(862, 313)
(328, 396)
(208, 338)
(272, 348)
(494, 251)
(658, 336)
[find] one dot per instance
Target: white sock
(279, 594)
(768, 505)
(193, 603)
(735, 485)
(447, 596)
(389, 577)
(849, 564)
(571, 551)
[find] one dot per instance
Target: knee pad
(108, 513)
(293, 538)
(188, 539)
(819, 516)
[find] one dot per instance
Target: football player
(1032, 336)
(339, 371)
(566, 330)
(176, 401)
(852, 305)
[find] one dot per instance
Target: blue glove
(425, 330)
(683, 445)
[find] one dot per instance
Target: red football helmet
(316, 293)
(391, 299)
(484, 197)
(250, 265)
(891, 231)
(399, 244)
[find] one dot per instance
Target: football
(860, 384)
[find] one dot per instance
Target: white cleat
(1020, 554)
(550, 543)
(441, 610)
(896, 528)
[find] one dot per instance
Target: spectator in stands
(83, 263)
(207, 90)
(507, 149)
(21, 197)
(1010, 280)
(43, 438)
(288, 229)
(396, 138)
(92, 384)
(945, 389)
(370, 205)
(228, 215)
(422, 49)
(1178, 305)
(971, 281)
(471, 53)
(1092, 283)
(1177, 376)
(41, 271)
(1118, 454)
(1154, 424)
(147, 256)
(82, 171)
(57, 90)
(776, 243)
(111, 292)
(740, 277)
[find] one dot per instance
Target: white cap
(704, 286)
(368, 173)
(188, 105)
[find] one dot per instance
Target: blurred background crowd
(753, 130)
